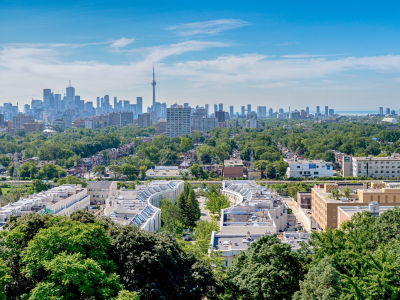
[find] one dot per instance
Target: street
(204, 213)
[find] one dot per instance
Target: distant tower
(153, 83)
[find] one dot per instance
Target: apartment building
(178, 121)
(386, 167)
(325, 206)
(100, 191)
(139, 207)
(62, 200)
(308, 168)
(233, 168)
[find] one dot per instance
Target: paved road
(292, 204)
(204, 213)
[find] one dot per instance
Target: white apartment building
(256, 211)
(308, 168)
(386, 167)
(61, 200)
(139, 207)
(178, 121)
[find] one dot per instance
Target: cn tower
(153, 83)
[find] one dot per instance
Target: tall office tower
(77, 100)
(115, 103)
(331, 112)
(27, 108)
(106, 103)
(221, 106)
(248, 108)
(307, 110)
(127, 104)
(98, 102)
(243, 110)
(215, 108)
(47, 97)
(185, 105)
(281, 111)
(139, 105)
(393, 112)
(388, 111)
(178, 121)
(381, 110)
(206, 108)
(318, 112)
(271, 111)
(153, 83)
(261, 111)
(70, 94)
(326, 111)
(164, 110)
(57, 100)
(102, 102)
(231, 111)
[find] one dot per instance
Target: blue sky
(273, 53)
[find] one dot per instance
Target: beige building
(386, 167)
(325, 206)
(99, 191)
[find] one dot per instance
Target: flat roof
(233, 163)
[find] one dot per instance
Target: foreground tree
(322, 282)
(269, 270)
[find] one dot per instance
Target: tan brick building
(99, 191)
(325, 206)
(233, 168)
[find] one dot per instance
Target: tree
(27, 170)
(116, 169)
(39, 186)
(322, 282)
(71, 180)
(205, 158)
(346, 191)
(196, 171)
(329, 156)
(142, 171)
(203, 233)
(216, 202)
(50, 171)
(186, 144)
(99, 170)
(267, 270)
(4, 278)
(170, 216)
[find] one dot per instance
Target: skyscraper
(381, 110)
(206, 108)
(231, 111)
(153, 83)
(388, 111)
(185, 105)
(271, 111)
(307, 110)
(215, 108)
(98, 102)
(70, 94)
(243, 110)
(221, 106)
(115, 103)
(248, 108)
(47, 95)
(139, 105)
(318, 112)
(326, 111)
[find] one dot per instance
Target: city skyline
(260, 54)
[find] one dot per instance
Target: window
(316, 173)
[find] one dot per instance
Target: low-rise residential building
(233, 168)
(382, 167)
(100, 191)
(346, 212)
(139, 207)
(164, 172)
(308, 168)
(61, 200)
(304, 200)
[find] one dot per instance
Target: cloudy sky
(345, 54)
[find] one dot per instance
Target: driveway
(204, 212)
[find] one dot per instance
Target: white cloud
(208, 27)
(122, 42)
(25, 70)
(307, 55)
